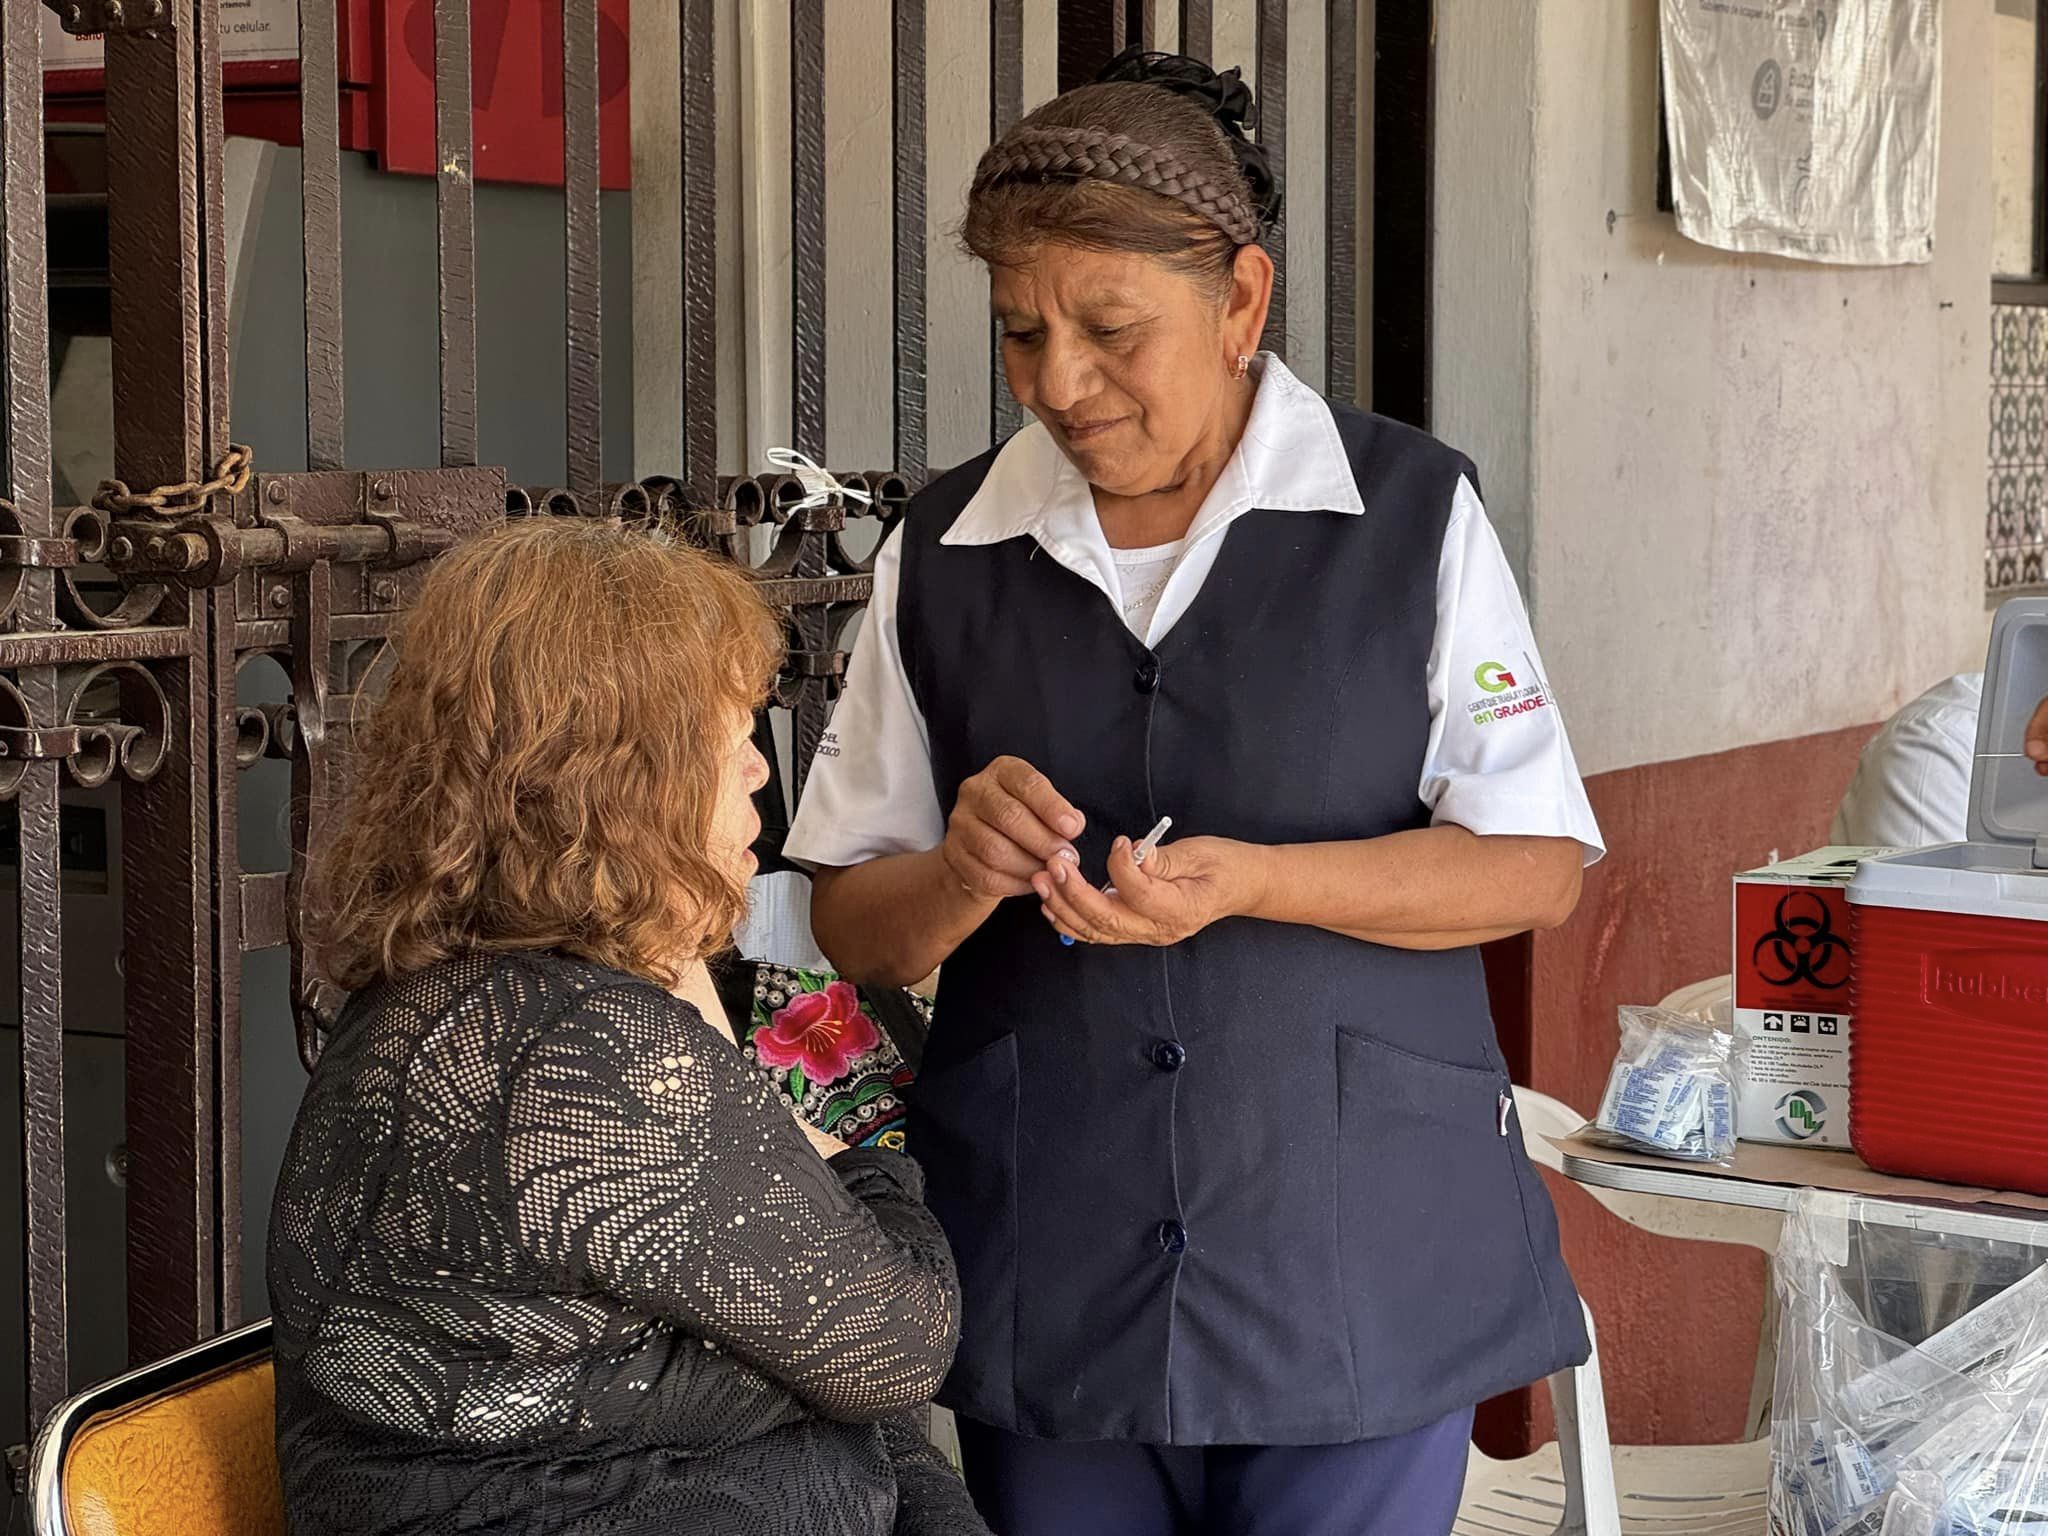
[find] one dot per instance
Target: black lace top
(547, 1257)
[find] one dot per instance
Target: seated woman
(546, 1254)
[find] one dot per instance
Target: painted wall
(1727, 456)
(1485, 193)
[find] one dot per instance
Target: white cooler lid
(2008, 799)
(1993, 874)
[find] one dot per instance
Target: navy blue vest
(1252, 1189)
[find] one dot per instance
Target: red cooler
(1948, 1062)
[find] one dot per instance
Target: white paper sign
(1805, 128)
(251, 32)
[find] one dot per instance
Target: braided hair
(1152, 158)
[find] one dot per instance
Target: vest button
(1169, 1055)
(1173, 1237)
(1146, 678)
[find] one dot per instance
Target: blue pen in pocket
(1139, 855)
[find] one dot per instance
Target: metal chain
(176, 500)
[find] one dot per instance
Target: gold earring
(1244, 367)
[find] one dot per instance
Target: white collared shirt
(1497, 762)
(1911, 788)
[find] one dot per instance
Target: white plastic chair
(1579, 1485)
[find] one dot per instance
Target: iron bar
(1086, 39)
(817, 591)
(209, 552)
(1005, 106)
(320, 225)
(1340, 247)
(90, 18)
(1197, 29)
(583, 253)
(24, 332)
(156, 175)
(225, 1066)
(276, 634)
(263, 910)
(807, 211)
(312, 643)
(1272, 69)
(910, 238)
(455, 231)
(700, 252)
(69, 647)
(1403, 138)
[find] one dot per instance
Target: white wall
(1485, 202)
(1752, 498)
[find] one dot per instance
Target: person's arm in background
(1911, 787)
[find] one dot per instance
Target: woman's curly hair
(545, 767)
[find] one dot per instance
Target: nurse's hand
(1178, 891)
(1008, 823)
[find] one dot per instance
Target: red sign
(386, 55)
(515, 90)
(1791, 946)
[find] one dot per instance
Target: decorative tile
(2003, 526)
(2005, 425)
(2016, 477)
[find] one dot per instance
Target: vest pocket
(1443, 1287)
(964, 1134)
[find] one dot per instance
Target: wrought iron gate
(125, 624)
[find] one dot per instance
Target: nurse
(1242, 1216)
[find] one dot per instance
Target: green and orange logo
(1493, 677)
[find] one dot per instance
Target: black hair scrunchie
(1225, 97)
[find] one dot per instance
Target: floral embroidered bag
(842, 1056)
(837, 1054)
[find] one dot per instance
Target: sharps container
(1948, 1062)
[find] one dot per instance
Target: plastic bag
(1912, 1386)
(1672, 1090)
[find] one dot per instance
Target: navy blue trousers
(1405, 1485)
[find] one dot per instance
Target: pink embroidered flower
(821, 1032)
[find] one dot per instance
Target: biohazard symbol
(1803, 947)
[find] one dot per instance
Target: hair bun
(1225, 97)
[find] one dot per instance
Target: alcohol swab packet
(1672, 1088)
